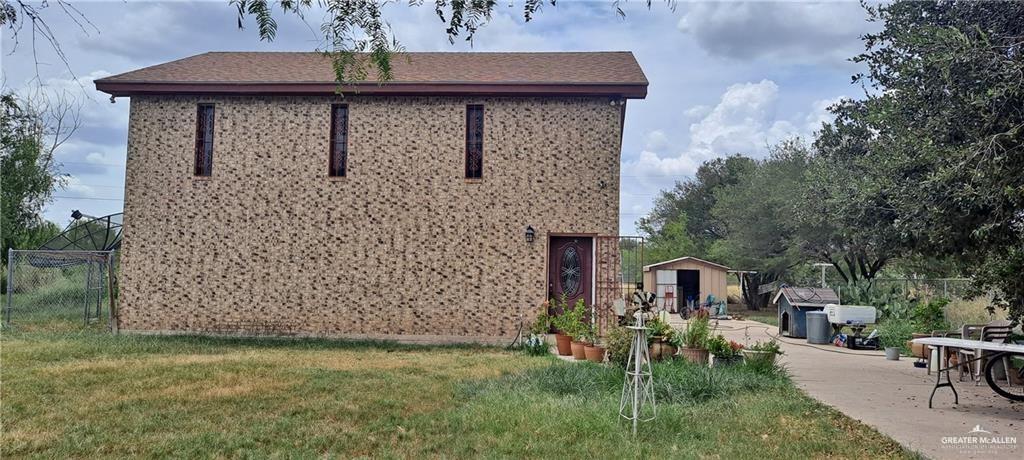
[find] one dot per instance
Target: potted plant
(893, 335)
(536, 344)
(694, 338)
(591, 349)
(563, 343)
(761, 353)
(660, 340)
(618, 340)
(577, 328)
(928, 318)
(723, 352)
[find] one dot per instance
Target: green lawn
(767, 317)
(89, 394)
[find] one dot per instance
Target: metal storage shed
(676, 280)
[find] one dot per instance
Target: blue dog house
(795, 302)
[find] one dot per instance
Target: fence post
(110, 292)
(88, 291)
(10, 284)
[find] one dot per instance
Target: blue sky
(724, 77)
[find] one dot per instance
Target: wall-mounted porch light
(530, 234)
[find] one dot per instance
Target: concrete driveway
(892, 397)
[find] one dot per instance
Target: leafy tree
(942, 127)
(694, 199)
(360, 41)
(758, 216)
(846, 218)
(355, 34)
(30, 131)
(672, 241)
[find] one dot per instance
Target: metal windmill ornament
(637, 402)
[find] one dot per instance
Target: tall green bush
(931, 316)
(896, 332)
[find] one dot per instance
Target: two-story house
(443, 205)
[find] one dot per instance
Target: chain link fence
(59, 290)
(925, 288)
(915, 287)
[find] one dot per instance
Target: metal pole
(10, 283)
(636, 378)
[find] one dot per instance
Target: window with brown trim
(204, 140)
(339, 141)
(474, 141)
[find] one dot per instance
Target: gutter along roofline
(129, 88)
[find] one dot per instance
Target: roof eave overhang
(809, 305)
(128, 88)
(648, 268)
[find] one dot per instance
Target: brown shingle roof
(807, 297)
(648, 268)
(585, 73)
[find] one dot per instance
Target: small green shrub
(658, 328)
(698, 329)
(617, 341)
(771, 346)
(572, 321)
(930, 316)
(674, 381)
(895, 332)
(723, 348)
(535, 345)
(541, 325)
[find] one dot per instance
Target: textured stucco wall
(403, 248)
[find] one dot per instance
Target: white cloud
(75, 187)
(743, 118)
(656, 141)
(789, 31)
(650, 164)
(697, 111)
(744, 121)
(820, 114)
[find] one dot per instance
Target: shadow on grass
(52, 346)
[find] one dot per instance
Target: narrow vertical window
(474, 141)
(204, 140)
(339, 140)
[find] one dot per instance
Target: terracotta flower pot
(594, 353)
(563, 344)
(695, 355)
(579, 350)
